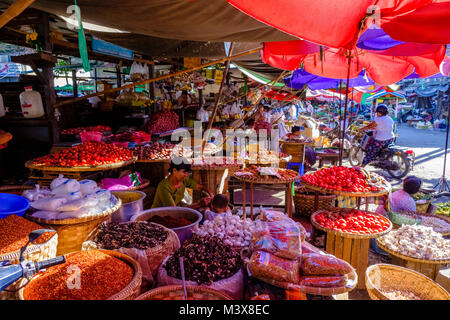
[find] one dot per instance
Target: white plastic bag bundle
(83, 212)
(88, 187)
(75, 205)
(66, 187)
(48, 215)
(58, 181)
(48, 204)
(37, 194)
(73, 196)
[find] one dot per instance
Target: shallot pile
(160, 151)
(162, 121)
(233, 230)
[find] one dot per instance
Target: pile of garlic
(229, 227)
(417, 241)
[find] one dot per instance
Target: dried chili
(100, 277)
(14, 231)
(170, 222)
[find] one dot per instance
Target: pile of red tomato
(341, 179)
(353, 221)
(87, 154)
(74, 131)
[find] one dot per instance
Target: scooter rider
(383, 127)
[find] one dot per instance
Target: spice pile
(438, 225)
(162, 121)
(101, 276)
(206, 260)
(233, 230)
(353, 221)
(299, 140)
(86, 154)
(14, 231)
(214, 162)
(75, 131)
(417, 241)
(170, 222)
(400, 295)
(341, 179)
(160, 151)
(130, 136)
(139, 235)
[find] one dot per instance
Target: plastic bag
(232, 286)
(265, 265)
(37, 194)
(323, 281)
(68, 186)
(50, 204)
(323, 264)
(48, 215)
(58, 181)
(88, 186)
(75, 205)
(281, 238)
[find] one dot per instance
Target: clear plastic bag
(281, 237)
(265, 265)
(323, 264)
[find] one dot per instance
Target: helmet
(383, 109)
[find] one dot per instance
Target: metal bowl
(132, 204)
(184, 232)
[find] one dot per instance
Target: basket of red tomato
(340, 180)
(352, 223)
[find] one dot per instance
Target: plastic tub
(132, 204)
(184, 232)
(12, 204)
(91, 136)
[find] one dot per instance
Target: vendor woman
(170, 191)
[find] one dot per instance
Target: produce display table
(45, 174)
(353, 248)
(429, 268)
(324, 156)
(271, 181)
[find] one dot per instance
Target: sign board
(192, 62)
(219, 76)
(9, 70)
(110, 49)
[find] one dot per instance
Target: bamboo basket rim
(153, 161)
(79, 220)
(15, 186)
(268, 181)
(343, 193)
(215, 168)
(29, 250)
(103, 167)
(189, 288)
(302, 195)
(346, 234)
(412, 259)
(128, 290)
(349, 286)
(372, 287)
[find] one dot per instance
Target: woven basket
(14, 189)
(177, 293)
(304, 202)
(385, 277)
(35, 252)
(131, 291)
(423, 207)
(73, 232)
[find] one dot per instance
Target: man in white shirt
(383, 136)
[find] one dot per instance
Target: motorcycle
(396, 162)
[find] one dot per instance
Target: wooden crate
(427, 269)
(354, 251)
(296, 150)
(215, 180)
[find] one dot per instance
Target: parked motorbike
(396, 162)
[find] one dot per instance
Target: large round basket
(14, 189)
(177, 293)
(73, 232)
(34, 252)
(304, 202)
(30, 165)
(349, 286)
(131, 291)
(344, 193)
(385, 277)
(267, 180)
(347, 234)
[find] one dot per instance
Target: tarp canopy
(199, 20)
(385, 95)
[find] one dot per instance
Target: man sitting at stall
(170, 191)
(219, 204)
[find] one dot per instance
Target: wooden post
(75, 84)
(157, 78)
(119, 77)
(243, 200)
(16, 8)
(152, 90)
(341, 149)
(95, 79)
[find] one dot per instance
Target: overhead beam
(14, 10)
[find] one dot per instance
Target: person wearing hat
(383, 127)
(170, 191)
